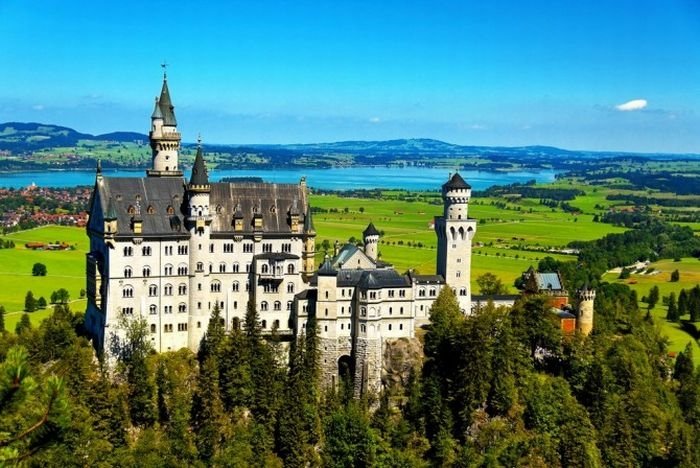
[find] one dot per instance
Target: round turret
(584, 320)
(371, 239)
(455, 195)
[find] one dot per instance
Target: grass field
(66, 269)
(503, 244)
(689, 269)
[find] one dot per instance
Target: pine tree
(653, 297)
(29, 302)
(2, 318)
(672, 314)
(23, 324)
(682, 303)
(675, 276)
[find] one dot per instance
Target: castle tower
(308, 262)
(371, 239)
(199, 225)
(164, 137)
(584, 320)
(455, 232)
(326, 318)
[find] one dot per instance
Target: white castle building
(170, 250)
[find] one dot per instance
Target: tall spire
(157, 114)
(308, 221)
(199, 176)
(166, 104)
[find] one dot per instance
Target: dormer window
(150, 210)
(131, 210)
(170, 210)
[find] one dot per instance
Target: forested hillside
(500, 388)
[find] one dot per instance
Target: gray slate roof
(272, 201)
(370, 230)
(142, 195)
(456, 182)
(276, 256)
(199, 170)
(166, 105)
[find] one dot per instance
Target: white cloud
(633, 105)
(477, 127)
(38, 107)
(375, 120)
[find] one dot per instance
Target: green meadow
(508, 239)
(65, 269)
(689, 269)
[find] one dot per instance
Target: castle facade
(169, 250)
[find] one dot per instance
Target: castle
(170, 250)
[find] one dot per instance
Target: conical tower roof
(157, 114)
(456, 182)
(166, 105)
(199, 170)
(370, 230)
(308, 221)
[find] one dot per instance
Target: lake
(345, 178)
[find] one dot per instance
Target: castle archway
(346, 369)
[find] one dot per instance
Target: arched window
(127, 272)
(433, 292)
(421, 292)
(168, 270)
(152, 309)
(289, 305)
(265, 268)
(264, 324)
(236, 267)
(222, 267)
(146, 250)
(146, 271)
(363, 311)
(128, 251)
(453, 233)
(200, 266)
(152, 290)
(215, 286)
(290, 269)
(276, 324)
(278, 305)
(263, 306)
(463, 292)
(290, 288)
(462, 234)
(182, 308)
(211, 268)
(182, 289)
(153, 328)
(128, 291)
(236, 286)
(170, 210)
(150, 209)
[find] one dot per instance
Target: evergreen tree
(132, 354)
(2, 319)
(41, 303)
(23, 324)
(682, 303)
(653, 297)
(675, 276)
(672, 313)
(29, 302)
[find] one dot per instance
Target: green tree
(208, 418)
(33, 411)
(682, 303)
(490, 285)
(23, 324)
(41, 303)
(132, 353)
(29, 302)
(2, 319)
(39, 269)
(672, 313)
(675, 276)
(653, 297)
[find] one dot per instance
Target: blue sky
(494, 72)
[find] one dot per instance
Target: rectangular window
(181, 327)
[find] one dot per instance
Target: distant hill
(19, 137)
